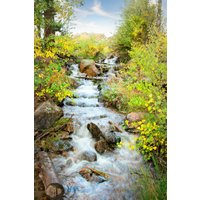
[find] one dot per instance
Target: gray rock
(97, 179)
(60, 146)
(94, 130)
(69, 162)
(111, 137)
(88, 155)
(90, 176)
(46, 114)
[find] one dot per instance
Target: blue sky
(99, 16)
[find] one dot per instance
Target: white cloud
(92, 27)
(83, 24)
(83, 13)
(96, 9)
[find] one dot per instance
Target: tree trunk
(49, 14)
(53, 188)
(159, 14)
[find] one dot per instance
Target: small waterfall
(86, 108)
(111, 61)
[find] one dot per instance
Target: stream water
(84, 109)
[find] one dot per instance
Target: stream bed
(118, 164)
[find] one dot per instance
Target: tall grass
(151, 183)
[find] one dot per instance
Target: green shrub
(143, 88)
(52, 82)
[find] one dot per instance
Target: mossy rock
(61, 121)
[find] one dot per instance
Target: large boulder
(46, 114)
(88, 67)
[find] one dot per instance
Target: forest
(100, 105)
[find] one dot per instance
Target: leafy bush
(143, 88)
(52, 82)
(151, 82)
(50, 79)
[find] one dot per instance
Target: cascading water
(84, 109)
(111, 62)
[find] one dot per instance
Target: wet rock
(102, 146)
(106, 134)
(90, 176)
(94, 130)
(89, 156)
(97, 179)
(46, 114)
(69, 162)
(60, 146)
(111, 137)
(88, 67)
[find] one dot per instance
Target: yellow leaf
(149, 108)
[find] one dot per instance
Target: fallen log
(53, 188)
(98, 172)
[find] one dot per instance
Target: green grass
(151, 185)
